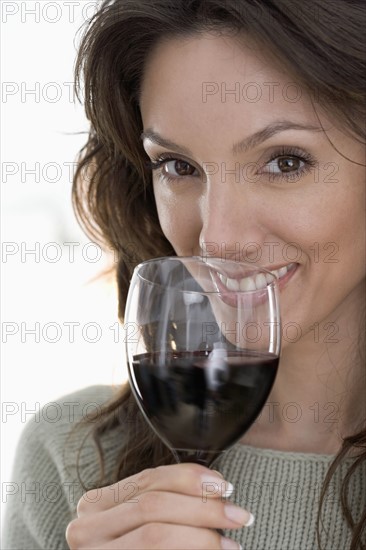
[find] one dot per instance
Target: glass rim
(217, 292)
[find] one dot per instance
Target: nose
(232, 222)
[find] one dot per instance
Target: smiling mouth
(257, 282)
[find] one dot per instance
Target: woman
(234, 129)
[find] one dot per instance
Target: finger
(171, 537)
(187, 479)
(163, 507)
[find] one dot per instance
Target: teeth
(260, 281)
(232, 284)
(253, 283)
(282, 271)
(247, 284)
(268, 278)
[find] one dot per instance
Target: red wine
(199, 401)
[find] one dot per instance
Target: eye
(288, 163)
(284, 165)
(171, 168)
(178, 169)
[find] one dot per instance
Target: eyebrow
(242, 146)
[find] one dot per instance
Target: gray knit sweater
(280, 488)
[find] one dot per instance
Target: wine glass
(204, 349)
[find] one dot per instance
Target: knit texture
(280, 488)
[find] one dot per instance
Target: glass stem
(206, 458)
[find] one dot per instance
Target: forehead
(199, 81)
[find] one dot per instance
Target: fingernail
(216, 485)
(238, 515)
(218, 473)
(211, 479)
(229, 489)
(229, 544)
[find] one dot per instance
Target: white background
(46, 289)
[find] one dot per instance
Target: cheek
(326, 221)
(338, 232)
(179, 220)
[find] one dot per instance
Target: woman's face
(243, 170)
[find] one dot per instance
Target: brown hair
(319, 42)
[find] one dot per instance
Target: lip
(251, 297)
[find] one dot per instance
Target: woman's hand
(178, 506)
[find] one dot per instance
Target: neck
(319, 394)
